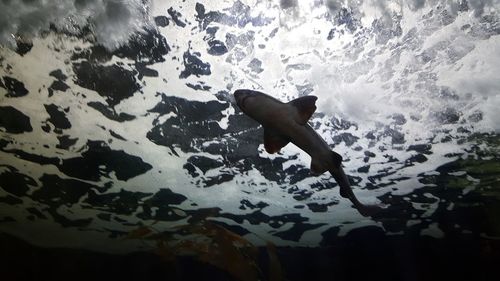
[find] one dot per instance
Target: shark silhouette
(287, 122)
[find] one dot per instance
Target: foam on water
(433, 69)
(112, 22)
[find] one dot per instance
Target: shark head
(241, 97)
(253, 103)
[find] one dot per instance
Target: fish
(288, 122)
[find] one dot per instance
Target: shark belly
(308, 140)
(303, 136)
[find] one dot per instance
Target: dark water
(467, 249)
(134, 161)
(365, 253)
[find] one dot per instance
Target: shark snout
(240, 96)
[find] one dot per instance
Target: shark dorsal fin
(273, 142)
(305, 108)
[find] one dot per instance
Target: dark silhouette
(287, 122)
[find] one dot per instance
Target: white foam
(113, 22)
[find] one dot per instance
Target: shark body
(287, 122)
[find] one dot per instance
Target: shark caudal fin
(346, 189)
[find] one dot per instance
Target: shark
(288, 122)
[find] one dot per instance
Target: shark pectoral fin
(273, 142)
(305, 108)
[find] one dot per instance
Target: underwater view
(128, 149)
